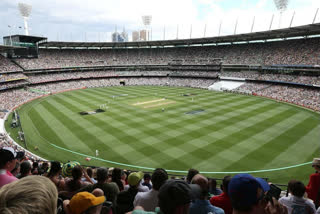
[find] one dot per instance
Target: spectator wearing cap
(33, 195)
(247, 196)
(25, 169)
(85, 202)
(313, 186)
(149, 200)
(125, 198)
(146, 181)
(223, 200)
(110, 190)
(201, 205)
(295, 201)
(174, 198)
(134, 179)
(8, 159)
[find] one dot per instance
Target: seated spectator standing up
(223, 200)
(174, 198)
(146, 180)
(8, 159)
(313, 186)
(125, 198)
(85, 203)
(202, 205)
(25, 169)
(247, 196)
(110, 190)
(149, 200)
(32, 194)
(295, 202)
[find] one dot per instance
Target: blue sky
(94, 20)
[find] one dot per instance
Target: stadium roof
(25, 38)
(300, 31)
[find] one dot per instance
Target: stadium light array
(147, 22)
(25, 11)
(281, 6)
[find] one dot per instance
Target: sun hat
(82, 201)
(67, 168)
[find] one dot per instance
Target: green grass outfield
(233, 132)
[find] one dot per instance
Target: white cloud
(77, 17)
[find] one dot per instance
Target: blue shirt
(204, 207)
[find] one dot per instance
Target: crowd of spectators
(289, 52)
(7, 66)
(74, 189)
(309, 98)
(11, 76)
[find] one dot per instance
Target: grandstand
(283, 65)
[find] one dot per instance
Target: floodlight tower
(25, 11)
(147, 22)
(281, 7)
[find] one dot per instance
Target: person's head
(25, 168)
(296, 188)
(89, 172)
(16, 169)
(8, 158)
(33, 194)
(76, 172)
(191, 173)
(225, 183)
(102, 174)
(85, 203)
(159, 177)
(147, 178)
(174, 197)
(246, 193)
(55, 168)
(134, 179)
(116, 174)
(212, 183)
(203, 183)
(316, 164)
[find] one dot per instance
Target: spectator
(149, 200)
(85, 202)
(295, 202)
(75, 183)
(213, 187)
(55, 175)
(25, 169)
(116, 178)
(191, 173)
(8, 159)
(146, 180)
(223, 200)
(33, 195)
(16, 170)
(174, 198)
(140, 187)
(202, 205)
(125, 198)
(90, 174)
(110, 190)
(313, 186)
(35, 168)
(247, 196)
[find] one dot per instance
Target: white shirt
(297, 205)
(148, 200)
